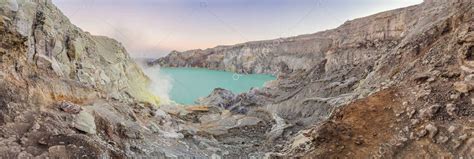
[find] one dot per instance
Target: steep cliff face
(53, 43)
(394, 76)
(357, 42)
(67, 94)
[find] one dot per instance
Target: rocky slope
(392, 85)
(67, 94)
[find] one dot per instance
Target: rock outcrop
(54, 44)
(67, 94)
(373, 87)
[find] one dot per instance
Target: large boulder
(85, 122)
(218, 98)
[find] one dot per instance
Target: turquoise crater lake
(189, 84)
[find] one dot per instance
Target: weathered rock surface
(365, 89)
(67, 94)
(54, 45)
(85, 122)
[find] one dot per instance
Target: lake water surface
(188, 84)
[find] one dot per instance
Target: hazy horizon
(152, 28)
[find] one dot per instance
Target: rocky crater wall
(53, 43)
(400, 61)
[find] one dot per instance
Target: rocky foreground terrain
(397, 84)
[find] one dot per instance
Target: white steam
(160, 85)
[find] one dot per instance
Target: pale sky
(152, 28)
